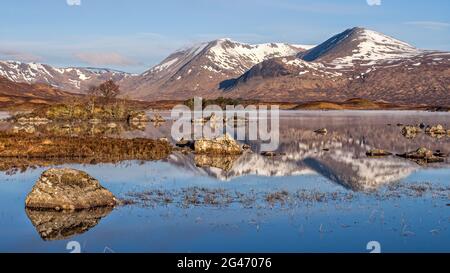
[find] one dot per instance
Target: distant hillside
(72, 79)
(356, 63)
(20, 95)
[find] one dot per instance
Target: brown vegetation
(352, 104)
(20, 151)
(25, 96)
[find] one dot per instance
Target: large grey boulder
(68, 189)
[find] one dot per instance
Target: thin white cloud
(429, 24)
(142, 50)
(374, 2)
(19, 56)
(108, 58)
(73, 2)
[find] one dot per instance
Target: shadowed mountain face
(359, 45)
(196, 70)
(357, 63)
(61, 225)
(199, 70)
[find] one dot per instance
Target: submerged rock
(157, 118)
(237, 118)
(440, 154)
(137, 117)
(141, 126)
(95, 121)
(436, 130)
(322, 131)
(246, 147)
(410, 131)
(423, 155)
(199, 120)
(221, 145)
(163, 139)
(112, 125)
(68, 189)
(60, 225)
(378, 152)
(268, 154)
(185, 143)
(214, 118)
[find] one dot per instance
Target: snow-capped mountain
(360, 46)
(355, 63)
(71, 79)
(198, 70)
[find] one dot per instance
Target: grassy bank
(117, 111)
(18, 151)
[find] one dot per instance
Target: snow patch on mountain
(374, 47)
(229, 55)
(70, 78)
(303, 46)
(165, 65)
(311, 67)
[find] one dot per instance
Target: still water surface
(365, 199)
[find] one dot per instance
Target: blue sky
(134, 35)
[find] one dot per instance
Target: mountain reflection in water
(301, 200)
(339, 156)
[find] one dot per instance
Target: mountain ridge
(206, 63)
(71, 79)
(357, 62)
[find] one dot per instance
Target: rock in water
(322, 131)
(268, 154)
(221, 145)
(68, 189)
(137, 117)
(410, 131)
(157, 118)
(183, 143)
(422, 155)
(378, 152)
(436, 130)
